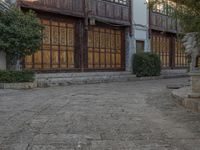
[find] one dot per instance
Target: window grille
(122, 2)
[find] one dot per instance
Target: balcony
(66, 7)
(163, 22)
(111, 11)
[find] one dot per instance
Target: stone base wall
(64, 79)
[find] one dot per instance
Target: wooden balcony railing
(165, 23)
(117, 11)
(106, 10)
(68, 7)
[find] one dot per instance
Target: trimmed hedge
(16, 76)
(146, 64)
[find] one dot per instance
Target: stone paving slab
(138, 115)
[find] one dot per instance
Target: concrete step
(64, 79)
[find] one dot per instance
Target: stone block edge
(191, 104)
(18, 86)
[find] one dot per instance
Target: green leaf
(20, 33)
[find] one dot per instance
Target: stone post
(195, 82)
(190, 41)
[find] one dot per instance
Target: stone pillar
(2, 61)
(195, 82)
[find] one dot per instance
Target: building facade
(156, 31)
(164, 33)
(102, 35)
(80, 35)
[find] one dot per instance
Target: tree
(186, 11)
(20, 34)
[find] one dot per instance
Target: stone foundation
(64, 79)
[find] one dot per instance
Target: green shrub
(16, 76)
(146, 64)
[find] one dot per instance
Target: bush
(146, 64)
(16, 76)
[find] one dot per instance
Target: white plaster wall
(141, 22)
(2, 61)
(140, 30)
(140, 12)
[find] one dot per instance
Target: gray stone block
(18, 86)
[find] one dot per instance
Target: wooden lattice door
(105, 48)
(181, 59)
(161, 46)
(169, 49)
(57, 50)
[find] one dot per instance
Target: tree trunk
(13, 63)
(18, 65)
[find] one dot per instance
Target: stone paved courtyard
(114, 116)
